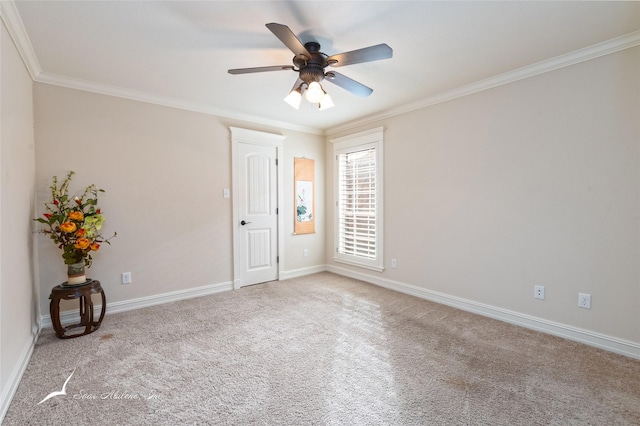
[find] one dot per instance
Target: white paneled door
(257, 213)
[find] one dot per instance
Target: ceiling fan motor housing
(311, 69)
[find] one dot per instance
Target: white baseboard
(286, 275)
(602, 341)
(9, 390)
(68, 317)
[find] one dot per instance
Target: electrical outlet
(394, 263)
(584, 300)
(305, 253)
(538, 291)
(126, 278)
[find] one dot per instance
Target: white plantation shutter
(358, 193)
(357, 203)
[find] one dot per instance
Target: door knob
(244, 223)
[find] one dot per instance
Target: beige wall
(17, 296)
(534, 182)
(164, 171)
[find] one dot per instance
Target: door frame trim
(253, 137)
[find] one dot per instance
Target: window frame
(357, 142)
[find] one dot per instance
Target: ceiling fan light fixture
(326, 102)
(294, 98)
(314, 92)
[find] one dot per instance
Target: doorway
(257, 199)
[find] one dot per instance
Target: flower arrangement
(74, 223)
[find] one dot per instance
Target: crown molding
(119, 92)
(15, 27)
(595, 51)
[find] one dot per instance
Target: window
(358, 207)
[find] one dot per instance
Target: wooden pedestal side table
(82, 292)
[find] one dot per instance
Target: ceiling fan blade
(346, 83)
(289, 39)
(260, 69)
(367, 54)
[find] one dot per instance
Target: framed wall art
(304, 192)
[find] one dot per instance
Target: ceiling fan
(310, 64)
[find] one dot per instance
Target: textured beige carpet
(321, 350)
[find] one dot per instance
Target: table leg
(54, 311)
(104, 308)
(90, 323)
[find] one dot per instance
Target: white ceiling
(178, 52)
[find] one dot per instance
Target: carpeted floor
(323, 350)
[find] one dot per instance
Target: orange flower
(95, 246)
(68, 227)
(77, 216)
(80, 232)
(82, 243)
